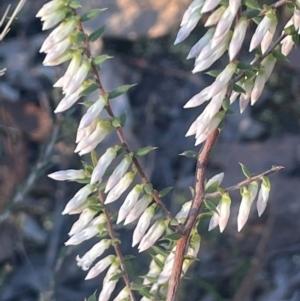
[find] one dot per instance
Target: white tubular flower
(296, 18)
(215, 17)
(123, 294)
(153, 234)
(245, 97)
(92, 113)
(123, 184)
(49, 8)
(222, 79)
(108, 285)
(233, 96)
(287, 45)
(103, 163)
(88, 143)
(217, 179)
(82, 134)
(264, 73)
(118, 173)
(197, 48)
(268, 23)
(210, 5)
(53, 19)
(70, 72)
(196, 4)
(266, 42)
(143, 225)
(96, 251)
(129, 202)
(68, 101)
(79, 77)
(85, 217)
(100, 266)
(58, 34)
(224, 211)
(168, 267)
(238, 37)
(78, 198)
(61, 59)
(214, 221)
(139, 207)
(244, 209)
(210, 54)
(263, 196)
(101, 219)
(225, 22)
(186, 29)
(184, 211)
(198, 99)
(154, 269)
(201, 136)
(82, 236)
(68, 175)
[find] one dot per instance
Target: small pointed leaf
(164, 192)
(119, 91)
(148, 188)
(211, 206)
(189, 154)
(245, 171)
(95, 35)
(91, 88)
(252, 4)
(145, 150)
(91, 14)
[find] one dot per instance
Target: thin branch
(121, 134)
(245, 182)
(117, 248)
(192, 217)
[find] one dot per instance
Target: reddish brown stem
(183, 242)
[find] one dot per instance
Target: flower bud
(82, 236)
(59, 60)
(153, 234)
(184, 211)
(245, 97)
(85, 217)
(224, 211)
(100, 266)
(287, 45)
(54, 18)
(238, 37)
(217, 179)
(109, 285)
(123, 295)
(244, 209)
(117, 190)
(68, 175)
(92, 113)
(143, 225)
(104, 161)
(263, 196)
(138, 209)
(215, 17)
(78, 198)
(118, 173)
(96, 251)
(168, 267)
(210, 5)
(129, 202)
(49, 8)
(154, 269)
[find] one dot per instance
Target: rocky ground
(262, 263)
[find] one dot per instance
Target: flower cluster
(223, 36)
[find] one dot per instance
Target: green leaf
(159, 251)
(95, 158)
(164, 192)
(250, 74)
(213, 187)
(145, 293)
(75, 4)
(295, 37)
(91, 88)
(96, 207)
(252, 14)
(238, 89)
(226, 103)
(172, 236)
(92, 297)
(148, 188)
(123, 119)
(174, 222)
(279, 56)
(244, 66)
(95, 35)
(151, 279)
(78, 38)
(245, 171)
(119, 91)
(252, 4)
(91, 14)
(116, 122)
(189, 154)
(136, 287)
(159, 263)
(129, 257)
(145, 150)
(101, 59)
(205, 215)
(257, 20)
(116, 276)
(83, 181)
(213, 73)
(192, 190)
(211, 206)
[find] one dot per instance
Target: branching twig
(117, 247)
(193, 214)
(245, 182)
